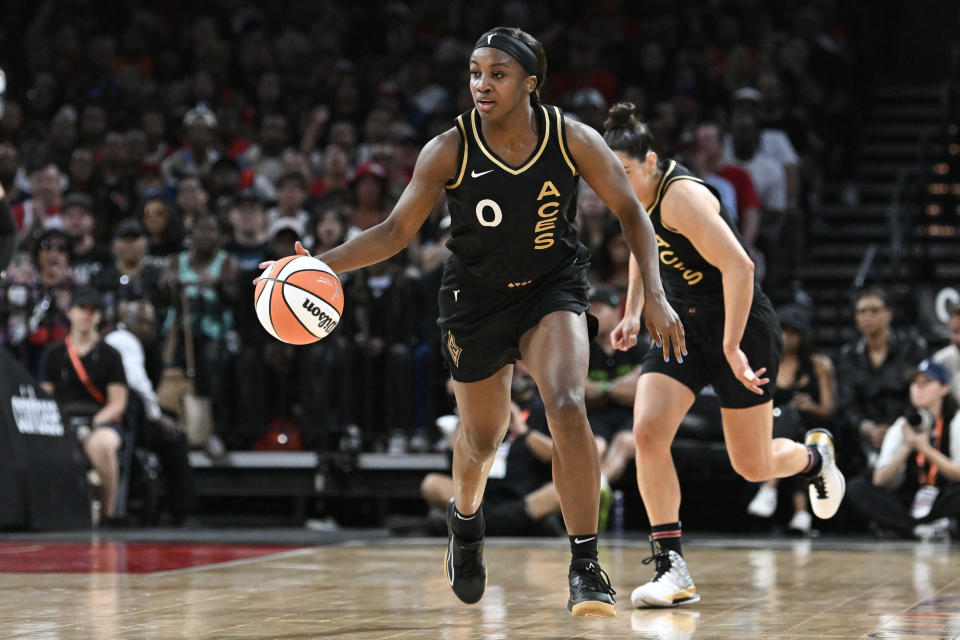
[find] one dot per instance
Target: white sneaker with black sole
(671, 585)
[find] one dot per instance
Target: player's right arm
(436, 165)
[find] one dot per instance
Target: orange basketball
(298, 299)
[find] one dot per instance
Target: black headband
(516, 49)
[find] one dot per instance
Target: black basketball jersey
(513, 225)
(688, 278)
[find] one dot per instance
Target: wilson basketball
(298, 299)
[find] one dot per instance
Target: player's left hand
(752, 380)
(664, 326)
(298, 250)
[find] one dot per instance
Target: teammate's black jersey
(688, 278)
(512, 225)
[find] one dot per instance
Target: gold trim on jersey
(493, 158)
(466, 148)
(664, 188)
(663, 180)
(563, 143)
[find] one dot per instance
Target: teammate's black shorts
(481, 324)
(705, 363)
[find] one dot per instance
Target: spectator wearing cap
(370, 197)
(949, 356)
(804, 399)
(85, 376)
(291, 196)
(199, 150)
(79, 222)
(129, 276)
(611, 388)
(871, 389)
(915, 487)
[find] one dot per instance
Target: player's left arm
(690, 208)
(604, 173)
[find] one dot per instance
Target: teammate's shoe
(590, 590)
(671, 584)
(827, 487)
(764, 504)
(463, 565)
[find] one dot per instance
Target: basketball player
(8, 232)
(730, 324)
(516, 286)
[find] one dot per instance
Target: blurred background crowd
(159, 152)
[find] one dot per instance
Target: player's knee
(480, 445)
(565, 407)
(751, 470)
(647, 437)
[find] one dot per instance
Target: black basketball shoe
(590, 590)
(463, 565)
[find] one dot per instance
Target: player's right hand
(624, 335)
(749, 378)
(298, 250)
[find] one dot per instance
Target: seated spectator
(79, 223)
(610, 392)
(915, 487)
(520, 496)
(128, 276)
(872, 391)
(805, 398)
(198, 152)
(85, 376)
(192, 201)
(291, 196)
(35, 296)
(162, 225)
(327, 228)
(334, 173)
(949, 356)
(157, 431)
(370, 198)
(42, 209)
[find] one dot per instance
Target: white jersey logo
(490, 37)
(477, 174)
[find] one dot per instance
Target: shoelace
(662, 559)
(820, 486)
(598, 580)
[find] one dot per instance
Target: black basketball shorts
(481, 324)
(705, 363)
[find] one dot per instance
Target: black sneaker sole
(469, 598)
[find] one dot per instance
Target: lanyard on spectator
(82, 372)
(929, 476)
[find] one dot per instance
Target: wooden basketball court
(756, 590)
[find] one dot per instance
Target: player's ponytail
(623, 131)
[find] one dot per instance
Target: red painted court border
(123, 557)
